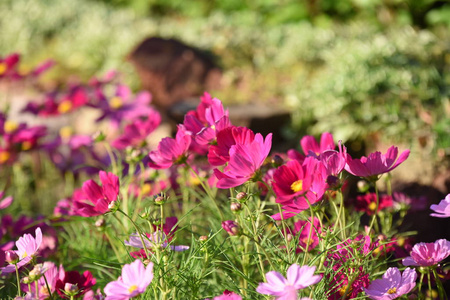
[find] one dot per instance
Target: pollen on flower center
(25, 254)
(392, 290)
(132, 288)
(3, 68)
(297, 186)
(64, 106)
(115, 102)
(4, 156)
(372, 206)
(10, 126)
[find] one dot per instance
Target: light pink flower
(134, 281)
(6, 201)
(392, 285)
(228, 295)
(442, 209)
(27, 247)
(376, 163)
(428, 254)
(286, 289)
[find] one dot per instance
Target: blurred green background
(372, 71)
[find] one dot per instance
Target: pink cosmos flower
(82, 282)
(302, 229)
(291, 180)
(311, 148)
(170, 151)
(286, 289)
(100, 196)
(27, 248)
(376, 163)
(136, 132)
(228, 295)
(442, 210)
(245, 161)
(392, 285)
(428, 254)
(134, 281)
(157, 239)
(4, 203)
(368, 203)
(219, 154)
(231, 227)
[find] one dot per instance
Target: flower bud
(277, 161)
(113, 206)
(100, 223)
(98, 136)
(71, 289)
(11, 257)
(241, 196)
(37, 272)
(235, 207)
(289, 237)
(27, 280)
(231, 227)
(333, 182)
(363, 186)
(203, 238)
(160, 200)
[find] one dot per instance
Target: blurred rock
(171, 70)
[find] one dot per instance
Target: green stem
(341, 209)
(137, 231)
(310, 231)
(36, 287)
(18, 281)
(111, 242)
(375, 214)
(441, 290)
(48, 288)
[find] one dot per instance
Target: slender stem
(137, 231)
(284, 230)
(341, 209)
(375, 214)
(207, 190)
(441, 290)
(429, 285)
(36, 287)
(48, 287)
(111, 242)
(18, 281)
(310, 231)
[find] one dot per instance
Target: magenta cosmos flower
(82, 283)
(170, 151)
(228, 295)
(27, 247)
(376, 163)
(100, 196)
(286, 289)
(442, 210)
(245, 161)
(134, 281)
(428, 254)
(392, 285)
(311, 148)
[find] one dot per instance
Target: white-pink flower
(392, 285)
(4, 203)
(286, 288)
(442, 210)
(27, 247)
(134, 281)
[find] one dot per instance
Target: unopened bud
(333, 182)
(277, 161)
(71, 289)
(98, 136)
(363, 186)
(235, 206)
(289, 237)
(241, 196)
(231, 227)
(11, 257)
(26, 280)
(100, 223)
(113, 206)
(203, 238)
(160, 200)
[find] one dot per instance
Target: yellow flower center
(132, 288)
(146, 188)
(115, 102)
(345, 289)
(392, 291)
(26, 145)
(64, 106)
(307, 241)
(4, 156)
(372, 206)
(297, 186)
(25, 254)
(65, 132)
(3, 68)
(10, 126)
